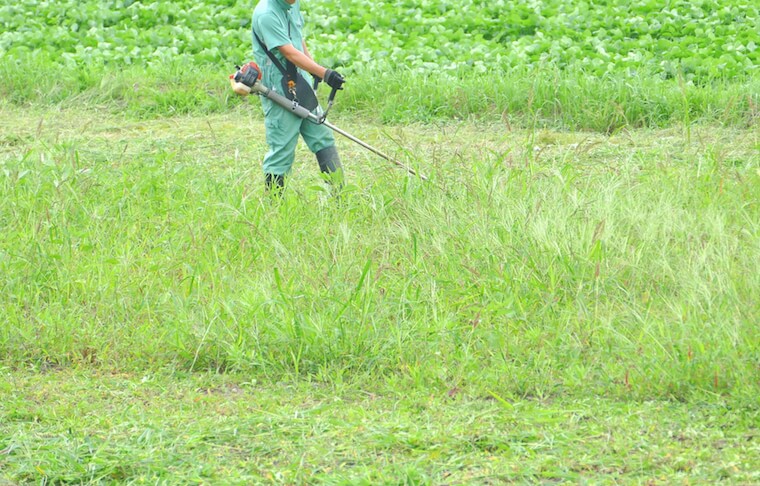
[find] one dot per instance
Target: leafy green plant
(697, 40)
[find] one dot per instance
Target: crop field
(571, 298)
(698, 40)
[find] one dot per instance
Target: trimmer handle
(330, 101)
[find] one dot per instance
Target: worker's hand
(334, 79)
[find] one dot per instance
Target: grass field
(571, 298)
(553, 306)
(84, 426)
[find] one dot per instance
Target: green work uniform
(278, 23)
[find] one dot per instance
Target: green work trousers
(282, 130)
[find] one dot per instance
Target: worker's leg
(282, 129)
(321, 141)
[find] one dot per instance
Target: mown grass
(90, 427)
(528, 98)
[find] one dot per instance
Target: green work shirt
(277, 23)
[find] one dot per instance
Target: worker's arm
(306, 50)
(302, 60)
(332, 78)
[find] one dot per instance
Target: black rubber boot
(274, 183)
(329, 164)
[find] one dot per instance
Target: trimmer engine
(245, 78)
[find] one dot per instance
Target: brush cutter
(247, 80)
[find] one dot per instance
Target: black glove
(334, 79)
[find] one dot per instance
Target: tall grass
(623, 270)
(568, 99)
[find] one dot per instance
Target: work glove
(334, 79)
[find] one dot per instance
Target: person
(279, 49)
